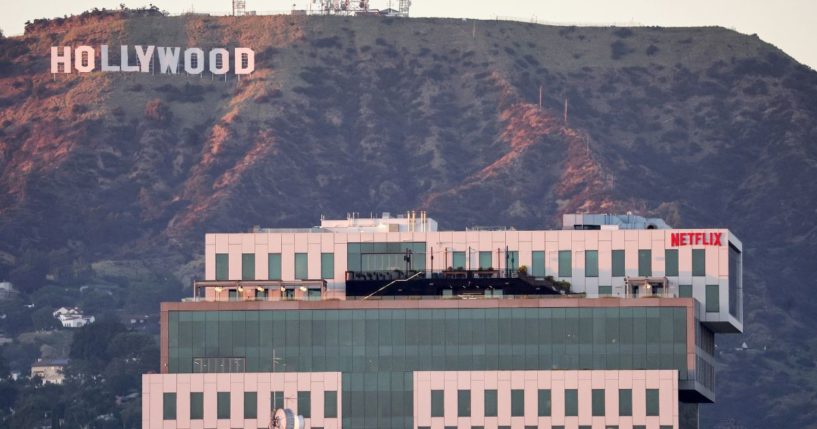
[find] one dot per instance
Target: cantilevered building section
(390, 323)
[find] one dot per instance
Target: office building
(389, 322)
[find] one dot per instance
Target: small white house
(72, 317)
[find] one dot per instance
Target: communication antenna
(239, 7)
(404, 8)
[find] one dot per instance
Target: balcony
(259, 290)
(448, 284)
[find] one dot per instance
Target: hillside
(113, 178)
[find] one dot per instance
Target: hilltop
(112, 178)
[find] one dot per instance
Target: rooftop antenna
(239, 7)
(404, 8)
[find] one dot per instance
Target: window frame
(196, 405)
(671, 262)
(591, 263)
(517, 402)
(327, 265)
(566, 270)
(571, 402)
(274, 261)
(222, 266)
(597, 402)
(250, 405)
(169, 406)
(699, 267)
(464, 403)
(248, 266)
(652, 399)
(437, 399)
(301, 273)
(619, 263)
(223, 405)
(644, 262)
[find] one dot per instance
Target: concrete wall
(444, 243)
(666, 381)
(155, 385)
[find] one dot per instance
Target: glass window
(276, 400)
(301, 266)
(169, 406)
(713, 303)
(274, 266)
(437, 404)
(565, 263)
(261, 294)
(517, 403)
(330, 404)
(490, 403)
(618, 263)
(458, 260)
(625, 402)
(232, 294)
(598, 402)
(571, 402)
(485, 260)
(652, 402)
(223, 405)
(735, 273)
(544, 403)
(305, 404)
(512, 262)
(250, 405)
(685, 291)
(671, 262)
(222, 266)
(248, 266)
(196, 405)
(645, 263)
(463, 403)
(537, 266)
(605, 290)
(698, 262)
(639, 427)
(327, 265)
(591, 263)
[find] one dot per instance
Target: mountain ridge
(702, 126)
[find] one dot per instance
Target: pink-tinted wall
(155, 385)
(666, 381)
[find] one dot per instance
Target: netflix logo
(678, 239)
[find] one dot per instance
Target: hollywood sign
(218, 60)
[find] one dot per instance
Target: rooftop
(414, 221)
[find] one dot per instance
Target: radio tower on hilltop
(239, 7)
(404, 7)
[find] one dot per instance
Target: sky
(791, 25)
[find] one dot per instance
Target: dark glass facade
(378, 350)
(383, 256)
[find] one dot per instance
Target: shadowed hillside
(101, 174)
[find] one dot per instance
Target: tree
(17, 316)
(91, 341)
(43, 319)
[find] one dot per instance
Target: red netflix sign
(695, 238)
